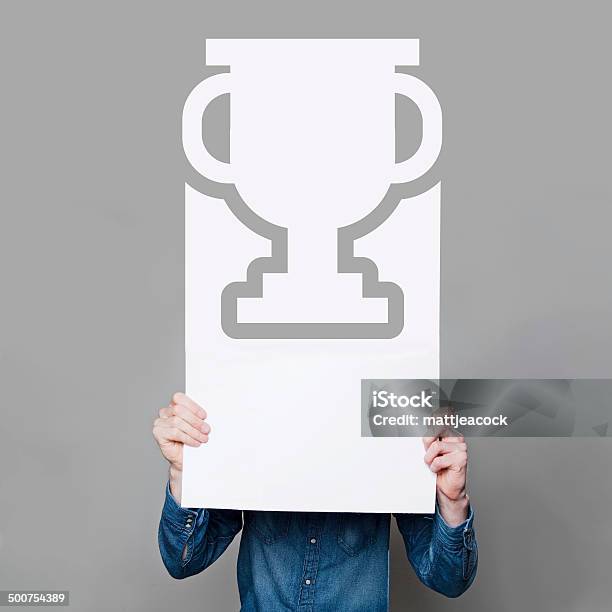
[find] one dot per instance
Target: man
(316, 561)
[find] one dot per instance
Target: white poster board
(285, 314)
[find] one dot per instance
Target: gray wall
(92, 289)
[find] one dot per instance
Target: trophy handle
(431, 112)
(195, 150)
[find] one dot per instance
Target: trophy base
(339, 313)
(319, 331)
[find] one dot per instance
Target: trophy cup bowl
(312, 150)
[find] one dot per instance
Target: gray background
(92, 281)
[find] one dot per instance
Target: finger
(164, 435)
(456, 461)
(427, 441)
(187, 415)
(181, 436)
(176, 422)
(440, 462)
(454, 446)
(456, 438)
(184, 400)
(187, 428)
(445, 432)
(439, 447)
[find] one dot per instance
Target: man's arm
(442, 547)
(189, 539)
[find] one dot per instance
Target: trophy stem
(312, 253)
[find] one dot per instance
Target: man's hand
(181, 422)
(447, 457)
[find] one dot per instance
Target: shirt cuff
(455, 538)
(183, 518)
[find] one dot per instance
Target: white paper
(284, 400)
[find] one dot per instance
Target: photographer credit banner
(308, 269)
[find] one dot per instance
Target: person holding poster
(316, 561)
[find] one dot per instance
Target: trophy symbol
(312, 154)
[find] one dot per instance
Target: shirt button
(307, 581)
(313, 540)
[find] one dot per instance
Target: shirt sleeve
(444, 558)
(191, 539)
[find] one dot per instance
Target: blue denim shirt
(317, 561)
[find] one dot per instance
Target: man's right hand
(181, 422)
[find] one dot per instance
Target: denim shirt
(317, 561)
